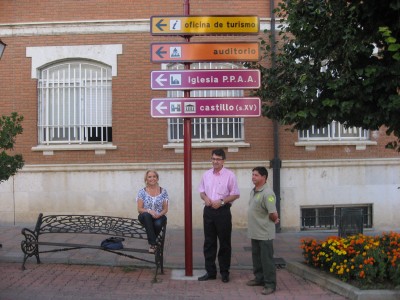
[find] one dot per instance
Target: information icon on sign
(175, 25)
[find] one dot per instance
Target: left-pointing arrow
(160, 53)
(160, 25)
(160, 108)
(160, 79)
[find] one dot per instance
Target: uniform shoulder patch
(271, 198)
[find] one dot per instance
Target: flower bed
(364, 261)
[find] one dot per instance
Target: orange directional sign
(193, 52)
(204, 25)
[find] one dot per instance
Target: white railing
(207, 129)
(334, 132)
(74, 104)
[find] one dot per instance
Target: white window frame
(207, 132)
(43, 56)
(75, 103)
(334, 134)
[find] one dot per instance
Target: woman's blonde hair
(147, 173)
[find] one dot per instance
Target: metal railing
(331, 222)
(335, 131)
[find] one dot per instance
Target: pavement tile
(91, 274)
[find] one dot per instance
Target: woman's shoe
(152, 249)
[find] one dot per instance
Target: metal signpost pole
(187, 152)
(188, 107)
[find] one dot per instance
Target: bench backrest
(90, 224)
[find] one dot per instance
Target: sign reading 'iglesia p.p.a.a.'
(204, 25)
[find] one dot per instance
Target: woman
(152, 205)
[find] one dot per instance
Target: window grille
(207, 129)
(75, 103)
(328, 217)
(334, 132)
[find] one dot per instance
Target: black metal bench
(90, 224)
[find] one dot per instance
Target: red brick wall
(138, 136)
(74, 10)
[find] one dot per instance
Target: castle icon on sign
(175, 107)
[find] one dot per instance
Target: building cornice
(204, 165)
(85, 27)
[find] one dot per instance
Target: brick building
(79, 73)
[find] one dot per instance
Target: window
(334, 132)
(207, 129)
(75, 103)
(328, 217)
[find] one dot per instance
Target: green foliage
(10, 127)
(334, 60)
(393, 46)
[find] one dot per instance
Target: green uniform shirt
(261, 204)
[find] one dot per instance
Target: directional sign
(205, 107)
(193, 52)
(204, 25)
(205, 79)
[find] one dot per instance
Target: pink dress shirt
(219, 185)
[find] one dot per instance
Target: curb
(339, 287)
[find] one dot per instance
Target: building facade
(79, 73)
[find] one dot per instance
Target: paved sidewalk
(88, 274)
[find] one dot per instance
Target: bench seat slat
(82, 246)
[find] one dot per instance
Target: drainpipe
(276, 162)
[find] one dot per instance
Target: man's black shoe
(225, 278)
(207, 277)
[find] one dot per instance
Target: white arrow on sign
(160, 79)
(160, 108)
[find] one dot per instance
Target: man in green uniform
(262, 217)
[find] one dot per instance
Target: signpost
(205, 79)
(204, 25)
(188, 107)
(205, 107)
(195, 52)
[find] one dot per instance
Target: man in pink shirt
(218, 189)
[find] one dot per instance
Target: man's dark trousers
(217, 228)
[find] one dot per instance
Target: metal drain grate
(280, 263)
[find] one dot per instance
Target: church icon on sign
(175, 79)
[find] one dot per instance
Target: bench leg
(29, 249)
(162, 264)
